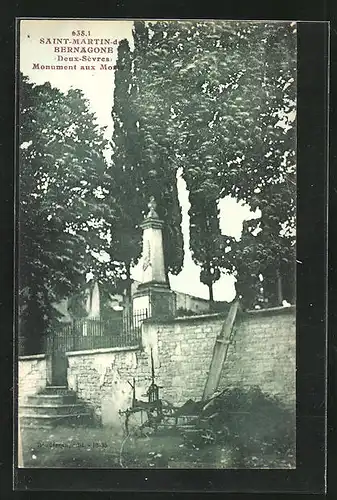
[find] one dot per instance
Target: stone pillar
(154, 294)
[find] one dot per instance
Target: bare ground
(84, 447)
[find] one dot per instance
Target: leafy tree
(63, 216)
(204, 229)
(218, 99)
(274, 191)
(267, 250)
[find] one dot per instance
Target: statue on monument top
(152, 205)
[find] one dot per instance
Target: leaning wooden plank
(220, 352)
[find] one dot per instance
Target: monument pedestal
(155, 298)
(153, 295)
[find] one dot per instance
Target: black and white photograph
(156, 244)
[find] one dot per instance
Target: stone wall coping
(221, 315)
(102, 350)
(272, 310)
(32, 357)
(200, 316)
(191, 319)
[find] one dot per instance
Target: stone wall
(191, 303)
(185, 348)
(101, 378)
(32, 375)
(261, 353)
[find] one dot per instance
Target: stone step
(57, 389)
(52, 409)
(51, 421)
(53, 399)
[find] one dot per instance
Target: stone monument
(153, 294)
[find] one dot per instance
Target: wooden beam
(220, 350)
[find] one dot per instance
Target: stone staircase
(54, 405)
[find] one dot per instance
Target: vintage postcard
(157, 233)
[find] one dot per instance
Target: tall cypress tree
(138, 170)
(126, 180)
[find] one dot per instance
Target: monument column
(153, 294)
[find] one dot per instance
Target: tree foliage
(63, 215)
(136, 174)
(218, 99)
(126, 182)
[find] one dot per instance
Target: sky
(98, 85)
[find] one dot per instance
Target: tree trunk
(294, 290)
(128, 282)
(279, 287)
(211, 297)
(128, 300)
